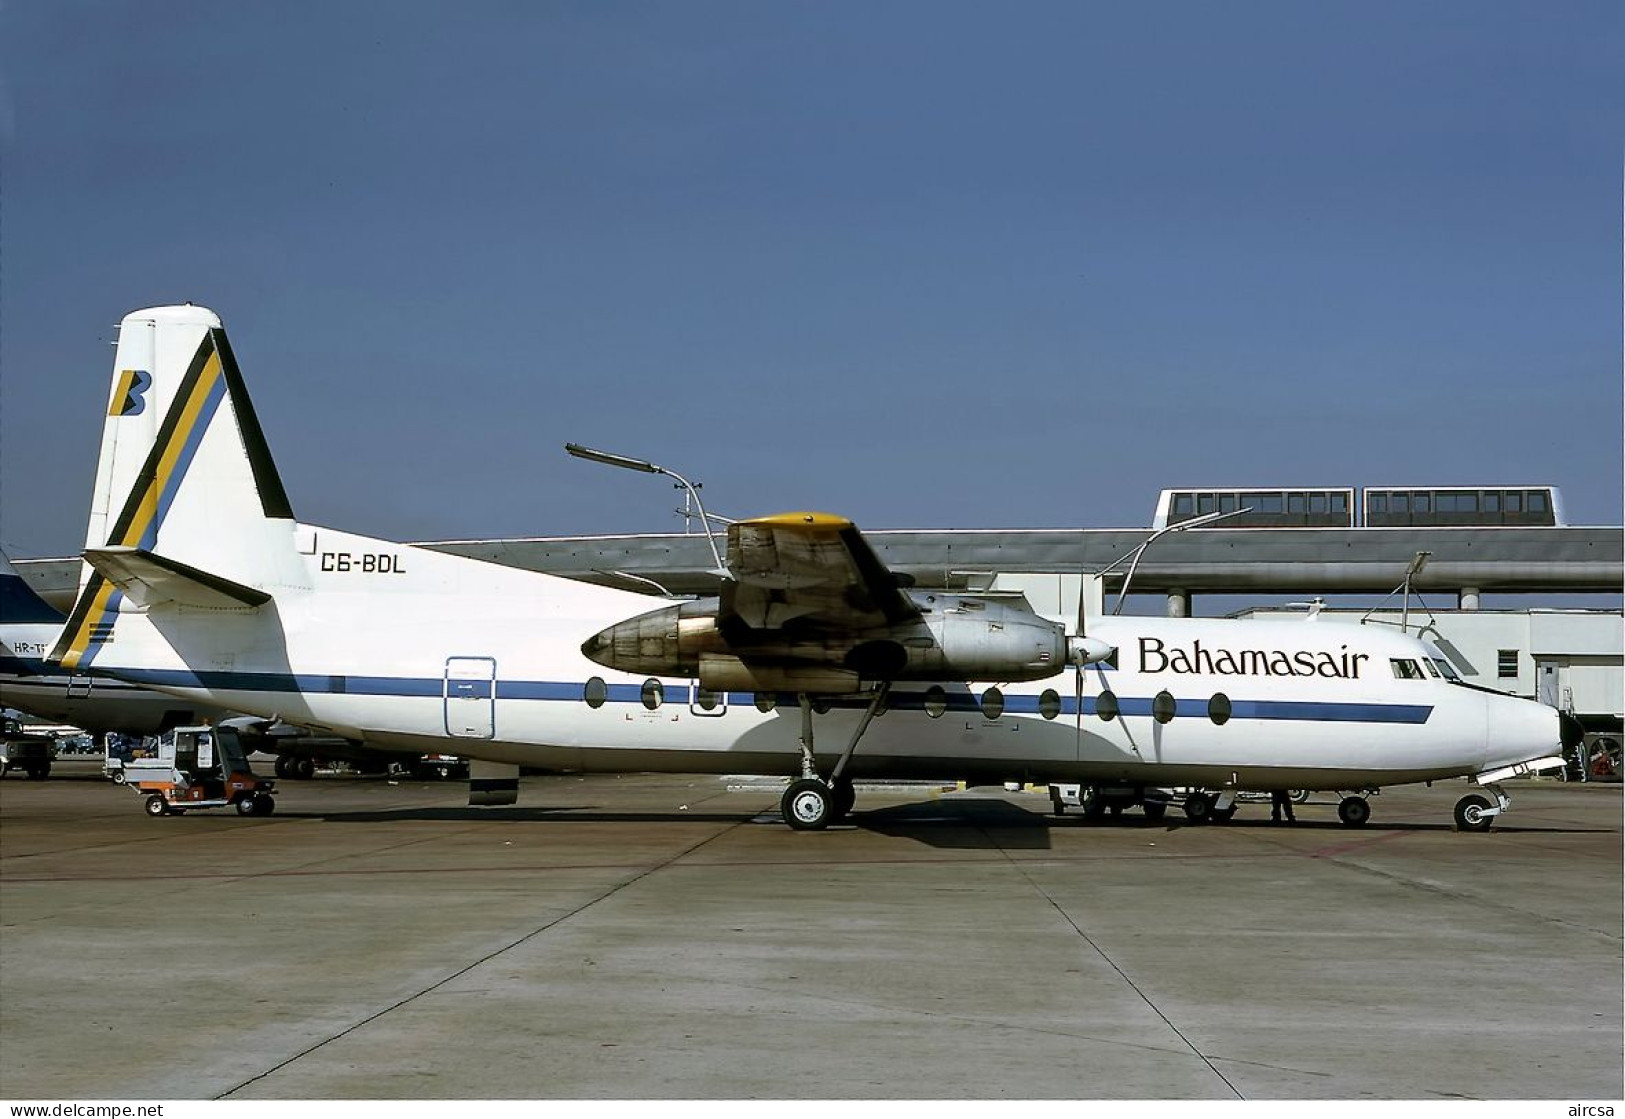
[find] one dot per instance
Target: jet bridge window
(1405, 669)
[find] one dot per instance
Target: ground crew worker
(1281, 802)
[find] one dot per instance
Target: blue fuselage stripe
(936, 700)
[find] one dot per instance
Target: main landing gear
(813, 803)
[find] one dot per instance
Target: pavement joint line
(488, 957)
(1021, 868)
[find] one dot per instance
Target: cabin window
(1049, 704)
(1163, 706)
(1219, 709)
(766, 701)
(1405, 669)
(653, 694)
(936, 701)
(705, 699)
(992, 703)
(1506, 664)
(595, 692)
(1106, 705)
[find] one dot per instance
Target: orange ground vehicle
(200, 767)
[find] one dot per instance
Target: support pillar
(1179, 603)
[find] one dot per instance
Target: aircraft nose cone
(596, 646)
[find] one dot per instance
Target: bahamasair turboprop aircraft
(200, 581)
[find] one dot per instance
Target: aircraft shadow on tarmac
(962, 823)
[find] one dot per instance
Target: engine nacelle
(954, 638)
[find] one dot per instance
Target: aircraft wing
(810, 572)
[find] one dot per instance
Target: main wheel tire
(1472, 813)
(808, 805)
(304, 769)
(1198, 808)
(1355, 812)
(156, 806)
(281, 767)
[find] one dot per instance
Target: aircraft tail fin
(188, 507)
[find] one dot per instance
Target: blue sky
(924, 264)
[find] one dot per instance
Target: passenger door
(470, 697)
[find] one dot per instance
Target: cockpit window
(1446, 669)
(1405, 669)
(1433, 669)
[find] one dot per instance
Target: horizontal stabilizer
(150, 580)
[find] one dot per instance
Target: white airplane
(200, 581)
(29, 627)
(100, 704)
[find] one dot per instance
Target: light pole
(1194, 522)
(643, 466)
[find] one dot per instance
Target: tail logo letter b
(130, 399)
